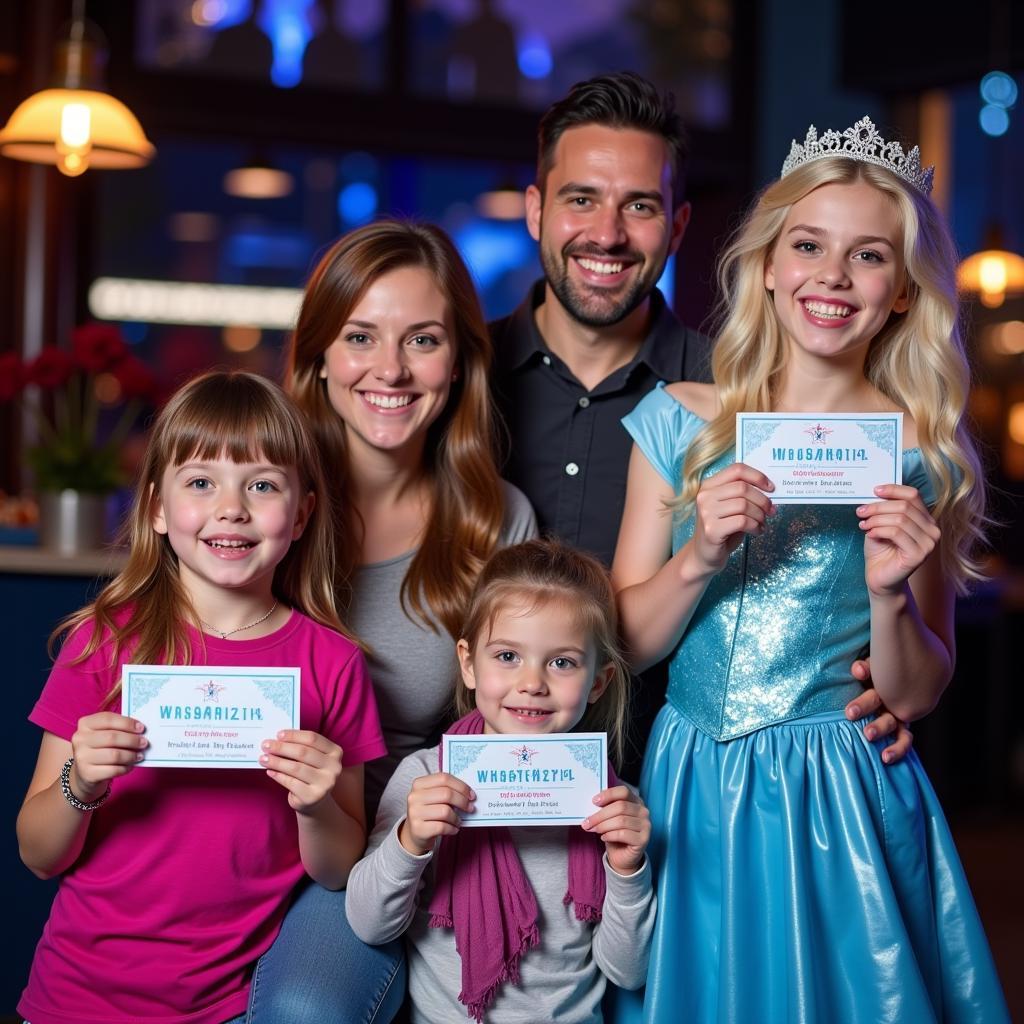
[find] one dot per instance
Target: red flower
(97, 347)
(51, 368)
(136, 379)
(12, 375)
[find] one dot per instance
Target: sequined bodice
(777, 629)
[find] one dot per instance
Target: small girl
(804, 882)
(174, 880)
(486, 912)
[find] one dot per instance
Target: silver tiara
(861, 142)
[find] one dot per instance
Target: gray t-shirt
(413, 669)
(562, 980)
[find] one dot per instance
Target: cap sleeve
(915, 474)
(663, 430)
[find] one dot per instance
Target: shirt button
(572, 469)
(546, 360)
(584, 402)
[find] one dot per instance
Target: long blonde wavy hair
(245, 418)
(917, 360)
(535, 573)
(467, 502)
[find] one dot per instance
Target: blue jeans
(319, 972)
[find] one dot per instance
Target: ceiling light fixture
(258, 178)
(75, 127)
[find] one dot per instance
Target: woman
(390, 360)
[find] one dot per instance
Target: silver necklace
(239, 629)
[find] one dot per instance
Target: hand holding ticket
(209, 716)
(434, 808)
(520, 779)
(624, 825)
(822, 458)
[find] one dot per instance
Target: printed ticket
(823, 458)
(202, 716)
(547, 779)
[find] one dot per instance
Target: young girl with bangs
(520, 923)
(175, 881)
(797, 879)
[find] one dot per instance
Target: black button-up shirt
(568, 450)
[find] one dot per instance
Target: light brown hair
(535, 573)
(467, 501)
(245, 418)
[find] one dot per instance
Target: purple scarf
(482, 891)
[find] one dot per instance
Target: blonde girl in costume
(526, 923)
(798, 880)
(174, 881)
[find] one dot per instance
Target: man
(595, 335)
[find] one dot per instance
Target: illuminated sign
(208, 305)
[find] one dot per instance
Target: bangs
(241, 418)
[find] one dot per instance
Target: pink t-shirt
(185, 874)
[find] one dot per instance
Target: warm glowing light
(258, 182)
(52, 125)
(1006, 339)
(107, 389)
(1015, 424)
(74, 125)
(241, 337)
(992, 274)
(208, 12)
(72, 164)
(502, 204)
(193, 226)
(74, 143)
(209, 305)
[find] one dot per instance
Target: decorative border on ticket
(523, 771)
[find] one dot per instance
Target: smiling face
(389, 371)
(229, 523)
(837, 270)
(536, 671)
(605, 222)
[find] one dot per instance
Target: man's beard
(594, 308)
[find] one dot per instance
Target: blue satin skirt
(800, 879)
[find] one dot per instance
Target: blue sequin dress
(799, 878)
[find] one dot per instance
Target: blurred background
(280, 124)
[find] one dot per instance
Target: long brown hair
(536, 572)
(246, 418)
(467, 502)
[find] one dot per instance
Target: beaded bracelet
(65, 788)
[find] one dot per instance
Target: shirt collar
(661, 350)
(524, 339)
(664, 348)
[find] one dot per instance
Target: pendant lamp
(258, 178)
(75, 125)
(992, 273)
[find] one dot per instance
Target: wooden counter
(36, 561)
